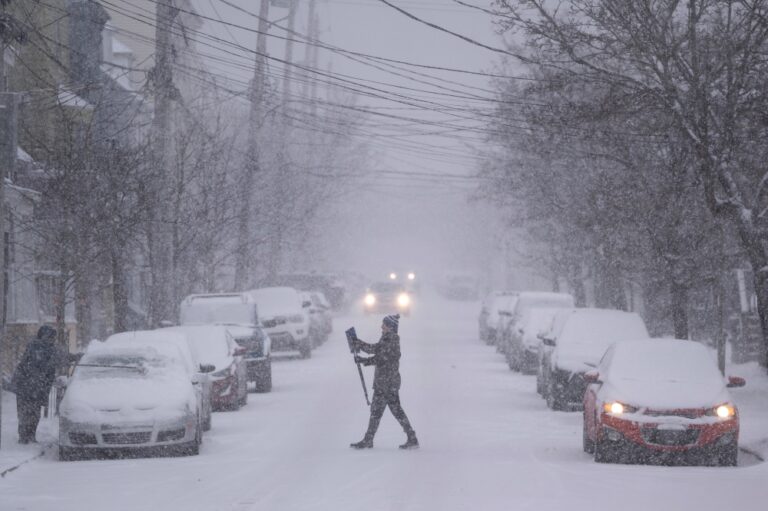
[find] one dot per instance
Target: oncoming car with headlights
(387, 297)
(660, 401)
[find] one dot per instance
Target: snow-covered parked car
(533, 323)
(506, 306)
(575, 344)
(323, 308)
(215, 346)
(239, 313)
(286, 321)
(131, 396)
(660, 401)
(489, 315)
(511, 336)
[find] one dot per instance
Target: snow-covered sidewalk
(14, 455)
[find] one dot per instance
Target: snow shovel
(351, 338)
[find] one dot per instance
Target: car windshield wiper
(112, 366)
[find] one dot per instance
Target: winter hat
(46, 333)
(392, 321)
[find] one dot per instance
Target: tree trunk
(119, 292)
(679, 297)
(83, 311)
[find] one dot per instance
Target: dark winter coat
(386, 358)
(35, 373)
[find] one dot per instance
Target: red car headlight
(618, 408)
(723, 411)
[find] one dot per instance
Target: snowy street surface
(488, 442)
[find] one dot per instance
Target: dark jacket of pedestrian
(36, 372)
(386, 358)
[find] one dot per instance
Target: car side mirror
(306, 304)
(547, 341)
(592, 377)
(736, 381)
(207, 368)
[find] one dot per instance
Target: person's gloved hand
(359, 359)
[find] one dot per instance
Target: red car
(660, 401)
(214, 345)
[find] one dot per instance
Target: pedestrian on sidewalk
(33, 378)
(386, 382)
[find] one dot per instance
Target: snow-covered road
(488, 442)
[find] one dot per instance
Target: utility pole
(311, 56)
(160, 306)
(244, 254)
(283, 165)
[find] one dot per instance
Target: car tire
(207, 424)
(554, 399)
(305, 350)
(729, 457)
(264, 377)
(587, 443)
(603, 453)
(69, 454)
(539, 382)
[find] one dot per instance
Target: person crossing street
(386, 382)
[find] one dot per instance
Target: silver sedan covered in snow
(126, 397)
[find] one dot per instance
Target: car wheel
(554, 398)
(69, 454)
(306, 350)
(729, 456)
(603, 453)
(539, 382)
(207, 424)
(514, 359)
(264, 377)
(587, 443)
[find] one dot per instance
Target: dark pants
(382, 399)
(28, 412)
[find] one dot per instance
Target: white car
(129, 397)
(518, 357)
(532, 325)
(239, 313)
(575, 344)
(215, 346)
(284, 317)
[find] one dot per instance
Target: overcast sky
(409, 221)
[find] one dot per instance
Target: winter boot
(362, 444)
(411, 443)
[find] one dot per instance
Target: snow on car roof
(210, 342)
(583, 335)
(535, 321)
(663, 359)
(158, 338)
(542, 299)
(272, 301)
(664, 374)
(236, 308)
